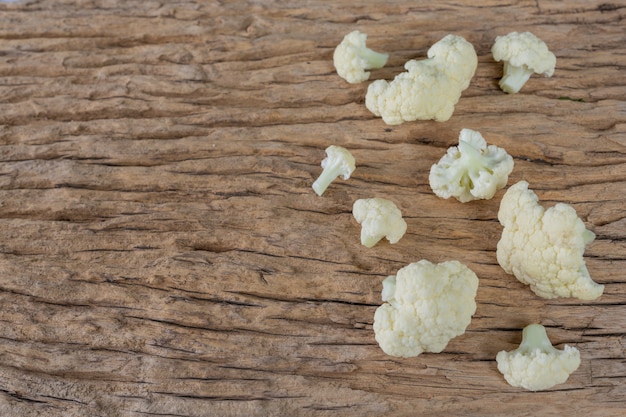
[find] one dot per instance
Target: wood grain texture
(162, 252)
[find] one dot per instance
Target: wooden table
(163, 253)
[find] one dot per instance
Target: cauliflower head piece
(536, 365)
(426, 306)
(544, 248)
(456, 57)
(378, 218)
(430, 88)
(339, 162)
(523, 54)
(422, 93)
(472, 170)
(352, 58)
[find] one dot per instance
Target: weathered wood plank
(162, 252)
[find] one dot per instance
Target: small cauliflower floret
(472, 170)
(352, 58)
(338, 162)
(378, 218)
(544, 248)
(430, 88)
(523, 54)
(536, 365)
(426, 306)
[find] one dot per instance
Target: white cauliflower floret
(430, 88)
(544, 248)
(523, 54)
(426, 306)
(472, 170)
(378, 218)
(456, 57)
(352, 58)
(536, 365)
(420, 94)
(338, 162)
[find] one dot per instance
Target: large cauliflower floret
(544, 248)
(378, 218)
(422, 93)
(536, 365)
(523, 54)
(426, 306)
(472, 170)
(352, 58)
(430, 88)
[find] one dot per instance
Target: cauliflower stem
(514, 77)
(473, 163)
(534, 337)
(328, 175)
(374, 59)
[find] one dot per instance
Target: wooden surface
(163, 253)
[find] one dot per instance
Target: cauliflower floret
(420, 94)
(455, 57)
(544, 248)
(430, 88)
(472, 170)
(338, 162)
(352, 58)
(536, 365)
(426, 306)
(523, 54)
(378, 218)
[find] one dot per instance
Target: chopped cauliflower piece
(536, 365)
(352, 58)
(338, 162)
(544, 248)
(453, 56)
(472, 170)
(426, 306)
(378, 218)
(430, 88)
(523, 54)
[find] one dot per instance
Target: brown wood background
(162, 252)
